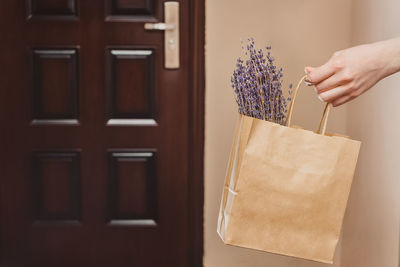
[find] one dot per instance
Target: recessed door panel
(131, 7)
(133, 194)
(54, 9)
(54, 75)
(131, 86)
(56, 188)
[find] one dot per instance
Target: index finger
(317, 75)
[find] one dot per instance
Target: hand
(352, 71)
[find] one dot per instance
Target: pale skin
(351, 72)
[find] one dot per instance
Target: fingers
(330, 83)
(333, 94)
(317, 75)
(341, 100)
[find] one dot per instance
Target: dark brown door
(95, 136)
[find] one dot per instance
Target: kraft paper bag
(286, 188)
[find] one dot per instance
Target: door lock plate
(171, 34)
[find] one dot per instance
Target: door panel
(56, 191)
(131, 7)
(55, 84)
(133, 199)
(51, 8)
(131, 88)
(133, 10)
(96, 153)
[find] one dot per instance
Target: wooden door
(96, 136)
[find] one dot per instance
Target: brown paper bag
(286, 188)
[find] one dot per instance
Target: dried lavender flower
(257, 84)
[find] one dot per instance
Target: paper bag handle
(325, 114)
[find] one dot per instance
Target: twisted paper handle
(325, 114)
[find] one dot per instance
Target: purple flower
(257, 84)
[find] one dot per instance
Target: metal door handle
(171, 34)
(159, 26)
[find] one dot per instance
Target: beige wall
(371, 225)
(301, 33)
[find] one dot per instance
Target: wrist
(389, 54)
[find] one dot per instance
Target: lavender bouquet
(257, 83)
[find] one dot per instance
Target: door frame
(196, 131)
